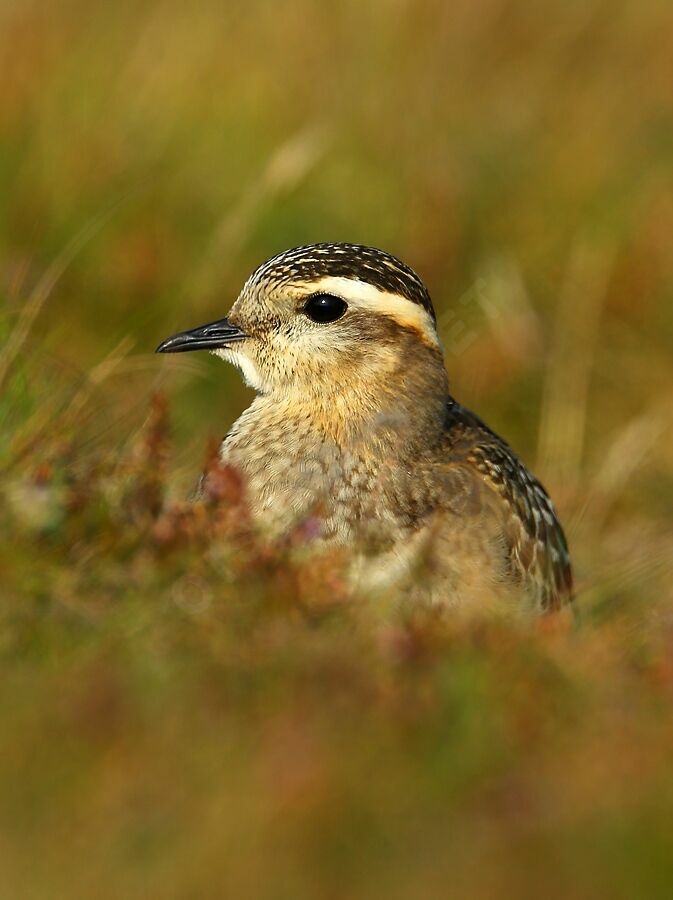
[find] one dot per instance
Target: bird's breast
(293, 472)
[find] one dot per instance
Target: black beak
(206, 337)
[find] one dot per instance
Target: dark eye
(324, 308)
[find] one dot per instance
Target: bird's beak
(205, 337)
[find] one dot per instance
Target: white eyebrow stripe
(365, 296)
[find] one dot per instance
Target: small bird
(353, 426)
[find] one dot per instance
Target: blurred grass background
(171, 730)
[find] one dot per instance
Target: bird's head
(326, 320)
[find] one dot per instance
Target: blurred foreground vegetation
(189, 712)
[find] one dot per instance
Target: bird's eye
(324, 308)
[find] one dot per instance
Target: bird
(353, 427)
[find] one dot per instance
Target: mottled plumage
(536, 546)
(353, 425)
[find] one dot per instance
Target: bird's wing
(536, 548)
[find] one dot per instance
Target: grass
(191, 712)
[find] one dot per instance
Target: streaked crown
(314, 262)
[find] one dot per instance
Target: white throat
(243, 362)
